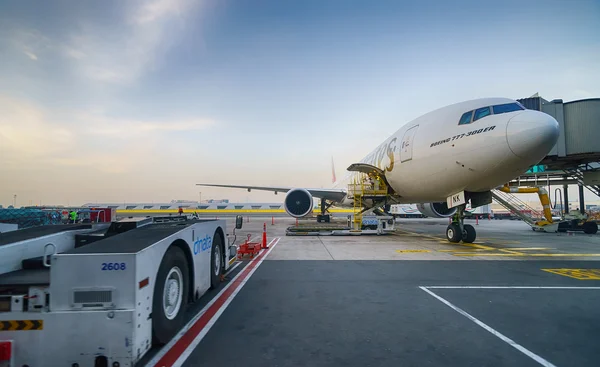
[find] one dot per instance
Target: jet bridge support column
(566, 203)
(581, 200)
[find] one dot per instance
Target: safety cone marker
(264, 244)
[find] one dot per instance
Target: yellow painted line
(199, 211)
(411, 251)
(581, 274)
(420, 235)
(531, 255)
(563, 255)
(499, 240)
(529, 248)
(466, 250)
(482, 247)
(511, 252)
(217, 211)
(484, 254)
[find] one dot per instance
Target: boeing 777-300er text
(441, 160)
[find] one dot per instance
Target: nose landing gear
(458, 231)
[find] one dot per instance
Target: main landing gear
(458, 231)
(324, 217)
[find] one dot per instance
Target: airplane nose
(532, 134)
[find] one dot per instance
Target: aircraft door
(406, 149)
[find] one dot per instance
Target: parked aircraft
(441, 160)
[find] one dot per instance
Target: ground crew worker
(180, 211)
(73, 216)
(371, 184)
(376, 184)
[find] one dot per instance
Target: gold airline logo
(386, 149)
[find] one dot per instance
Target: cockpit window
(481, 113)
(466, 118)
(508, 107)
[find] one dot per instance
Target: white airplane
(441, 160)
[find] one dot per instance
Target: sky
(137, 101)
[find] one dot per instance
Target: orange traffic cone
(264, 244)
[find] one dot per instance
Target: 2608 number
(114, 266)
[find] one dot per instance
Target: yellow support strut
(543, 195)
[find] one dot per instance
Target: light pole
(200, 194)
(14, 200)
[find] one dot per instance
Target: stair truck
(576, 221)
(104, 294)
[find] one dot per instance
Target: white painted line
(232, 268)
(184, 356)
(500, 287)
(185, 329)
(502, 337)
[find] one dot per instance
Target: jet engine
(298, 203)
(436, 210)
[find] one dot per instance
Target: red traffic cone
(264, 244)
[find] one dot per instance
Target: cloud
(125, 128)
(123, 54)
(156, 10)
(28, 133)
(31, 55)
(32, 136)
(28, 41)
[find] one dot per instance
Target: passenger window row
(480, 113)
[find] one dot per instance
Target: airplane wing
(327, 194)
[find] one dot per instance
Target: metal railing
(517, 206)
(579, 176)
(366, 189)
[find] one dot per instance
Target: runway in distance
(441, 161)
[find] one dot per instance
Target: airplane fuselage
(434, 157)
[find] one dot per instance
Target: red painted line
(186, 339)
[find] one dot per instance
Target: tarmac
(515, 297)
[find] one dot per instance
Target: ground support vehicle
(371, 225)
(576, 221)
(103, 295)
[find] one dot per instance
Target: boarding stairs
(538, 220)
(578, 175)
(360, 190)
(517, 207)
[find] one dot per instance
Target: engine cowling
(436, 210)
(298, 203)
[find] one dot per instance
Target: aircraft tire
(469, 234)
(453, 233)
(590, 227)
